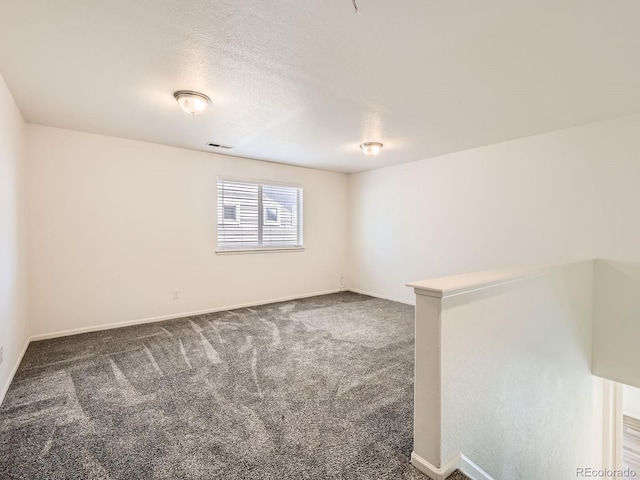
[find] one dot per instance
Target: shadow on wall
(617, 321)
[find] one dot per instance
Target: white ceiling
(305, 82)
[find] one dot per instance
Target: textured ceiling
(306, 82)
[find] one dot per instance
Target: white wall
(542, 200)
(616, 355)
(118, 225)
(13, 269)
(515, 374)
(617, 243)
(547, 199)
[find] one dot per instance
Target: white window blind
(254, 216)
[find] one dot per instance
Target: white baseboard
(128, 323)
(459, 462)
(5, 387)
(369, 294)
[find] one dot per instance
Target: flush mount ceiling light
(192, 102)
(371, 148)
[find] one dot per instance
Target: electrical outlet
(176, 295)
(341, 282)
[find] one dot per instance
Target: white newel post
(499, 349)
(427, 387)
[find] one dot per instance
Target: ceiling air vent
(219, 145)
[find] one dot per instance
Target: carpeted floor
(319, 388)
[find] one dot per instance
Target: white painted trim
(453, 285)
(472, 470)
(427, 468)
(369, 294)
(241, 251)
(459, 462)
(612, 425)
(128, 323)
(5, 387)
(619, 426)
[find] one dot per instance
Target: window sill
(260, 250)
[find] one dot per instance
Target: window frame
(226, 221)
(298, 222)
(265, 215)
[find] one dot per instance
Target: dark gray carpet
(319, 388)
(457, 475)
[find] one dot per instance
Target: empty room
(334, 239)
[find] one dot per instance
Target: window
(258, 216)
(271, 216)
(229, 214)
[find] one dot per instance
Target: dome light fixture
(192, 102)
(371, 148)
